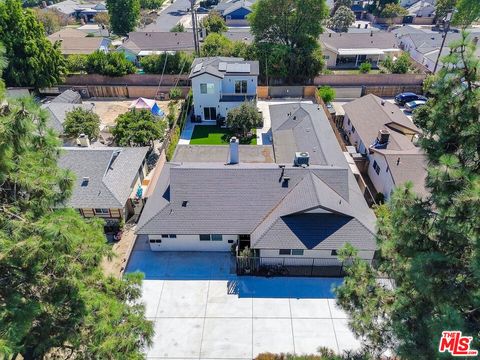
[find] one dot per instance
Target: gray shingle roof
(210, 65)
(159, 41)
(375, 40)
(68, 96)
(368, 116)
(110, 177)
(58, 113)
(303, 127)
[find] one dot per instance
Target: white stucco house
(222, 83)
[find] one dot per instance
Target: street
(169, 17)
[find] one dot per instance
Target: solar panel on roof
(197, 67)
(238, 68)
(222, 66)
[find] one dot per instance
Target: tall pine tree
(54, 299)
(429, 248)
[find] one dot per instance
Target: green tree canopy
(213, 23)
(290, 28)
(124, 15)
(442, 7)
(244, 118)
(393, 10)
(467, 12)
(178, 63)
(343, 18)
(338, 3)
(428, 246)
(138, 128)
(400, 66)
(110, 64)
(51, 19)
(178, 28)
(32, 59)
(77, 63)
(82, 121)
(151, 4)
(55, 300)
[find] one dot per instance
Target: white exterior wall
(191, 243)
(383, 181)
(228, 84)
(353, 136)
(200, 100)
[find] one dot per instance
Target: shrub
(138, 128)
(178, 28)
(326, 93)
(172, 114)
(77, 63)
(174, 137)
(109, 64)
(81, 121)
(175, 93)
(178, 63)
(151, 4)
(365, 67)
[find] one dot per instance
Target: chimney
(383, 136)
(234, 156)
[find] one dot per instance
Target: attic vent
(184, 203)
(197, 67)
(222, 66)
(85, 181)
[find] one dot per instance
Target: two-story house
(222, 83)
(385, 136)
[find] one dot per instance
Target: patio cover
(361, 51)
(143, 103)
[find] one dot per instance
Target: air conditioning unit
(83, 141)
(302, 158)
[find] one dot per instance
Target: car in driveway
(202, 10)
(412, 105)
(406, 97)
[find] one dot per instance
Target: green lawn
(214, 135)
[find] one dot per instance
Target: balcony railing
(228, 97)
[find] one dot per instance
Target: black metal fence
(289, 266)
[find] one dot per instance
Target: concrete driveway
(202, 310)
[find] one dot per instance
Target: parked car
(412, 105)
(406, 97)
(202, 10)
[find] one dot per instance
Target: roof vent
(383, 102)
(302, 158)
(286, 179)
(398, 161)
(184, 203)
(85, 181)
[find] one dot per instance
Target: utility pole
(446, 27)
(194, 26)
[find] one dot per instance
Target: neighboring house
(221, 83)
(74, 41)
(68, 97)
(139, 44)
(235, 12)
(235, 35)
(94, 29)
(58, 113)
(107, 179)
(349, 50)
(307, 205)
(79, 10)
(381, 132)
(424, 46)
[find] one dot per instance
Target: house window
(216, 237)
(334, 253)
(240, 86)
(284, 252)
(212, 237)
(101, 211)
(207, 88)
(326, 57)
(158, 241)
(172, 236)
(164, 236)
(297, 252)
(376, 167)
(204, 237)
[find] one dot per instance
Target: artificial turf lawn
(214, 135)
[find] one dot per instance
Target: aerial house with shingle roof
(307, 205)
